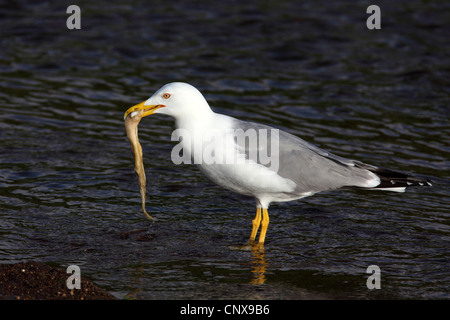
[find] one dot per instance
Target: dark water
(68, 193)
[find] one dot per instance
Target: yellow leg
(264, 225)
(255, 222)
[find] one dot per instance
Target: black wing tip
(392, 179)
(418, 183)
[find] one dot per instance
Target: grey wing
(310, 167)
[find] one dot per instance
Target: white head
(177, 99)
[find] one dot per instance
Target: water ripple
(69, 195)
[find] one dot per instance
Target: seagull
(297, 168)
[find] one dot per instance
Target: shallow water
(68, 193)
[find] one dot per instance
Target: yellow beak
(148, 110)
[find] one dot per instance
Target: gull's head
(176, 99)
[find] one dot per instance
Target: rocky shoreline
(39, 281)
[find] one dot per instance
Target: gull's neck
(200, 119)
(194, 127)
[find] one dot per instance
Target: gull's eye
(166, 95)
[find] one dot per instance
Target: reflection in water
(137, 275)
(259, 264)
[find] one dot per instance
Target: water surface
(68, 193)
